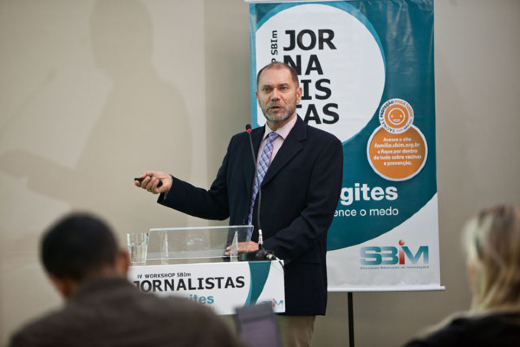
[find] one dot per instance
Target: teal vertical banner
(367, 73)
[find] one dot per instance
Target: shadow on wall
(144, 126)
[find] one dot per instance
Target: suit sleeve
(322, 197)
(199, 202)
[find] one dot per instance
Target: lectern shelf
(196, 244)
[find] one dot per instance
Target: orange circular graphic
(397, 157)
(396, 116)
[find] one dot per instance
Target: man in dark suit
(83, 261)
(300, 190)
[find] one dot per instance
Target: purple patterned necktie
(263, 165)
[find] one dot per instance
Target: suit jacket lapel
(290, 147)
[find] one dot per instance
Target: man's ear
(66, 286)
(122, 263)
(299, 92)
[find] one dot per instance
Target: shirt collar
(284, 131)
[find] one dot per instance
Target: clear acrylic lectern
(198, 244)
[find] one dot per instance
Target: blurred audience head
(492, 243)
(80, 246)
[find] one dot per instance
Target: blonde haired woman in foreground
(492, 243)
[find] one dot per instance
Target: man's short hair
(77, 245)
(279, 65)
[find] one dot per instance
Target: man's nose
(274, 94)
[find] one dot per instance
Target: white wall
(94, 92)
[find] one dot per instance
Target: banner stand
(350, 305)
(367, 76)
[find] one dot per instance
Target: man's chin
(276, 120)
(277, 117)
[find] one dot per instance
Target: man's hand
(244, 247)
(152, 178)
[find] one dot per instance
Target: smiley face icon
(396, 116)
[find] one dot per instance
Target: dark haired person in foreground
(83, 261)
(492, 242)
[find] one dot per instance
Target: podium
(191, 262)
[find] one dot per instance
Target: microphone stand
(261, 253)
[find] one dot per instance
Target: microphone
(261, 253)
(260, 236)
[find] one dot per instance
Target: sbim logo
(277, 303)
(389, 255)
